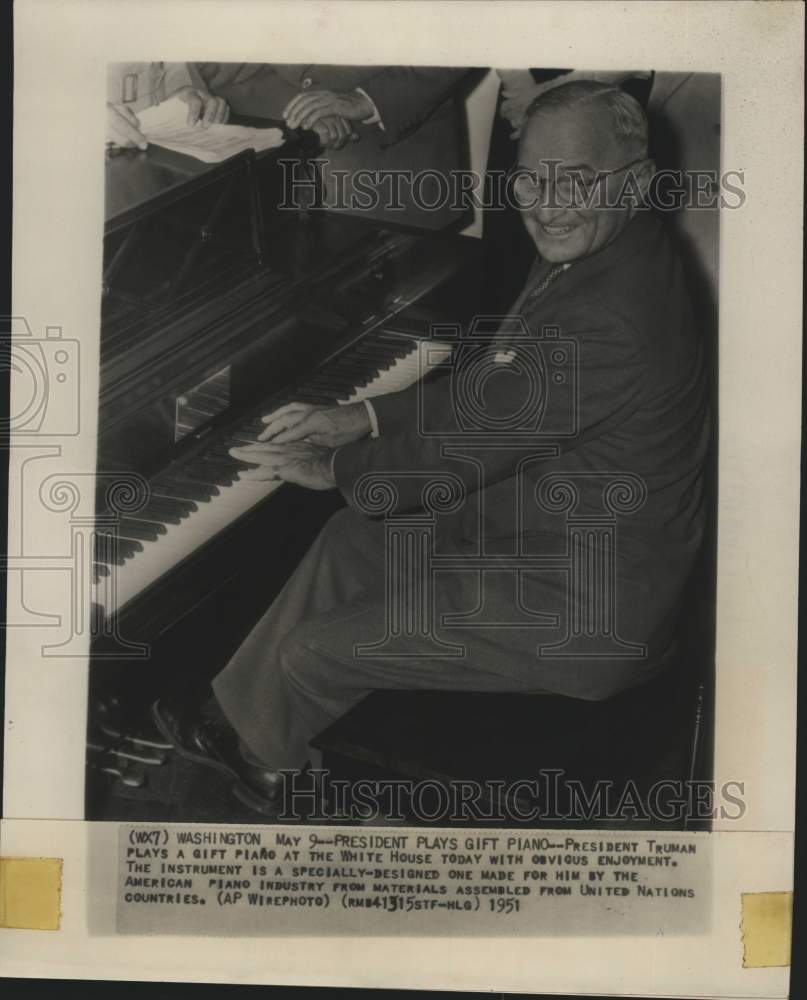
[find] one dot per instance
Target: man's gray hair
(628, 120)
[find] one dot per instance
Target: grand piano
(227, 291)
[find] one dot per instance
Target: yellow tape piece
(766, 921)
(30, 893)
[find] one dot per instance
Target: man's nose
(548, 213)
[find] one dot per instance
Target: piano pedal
(152, 742)
(109, 718)
(100, 759)
(154, 759)
(118, 749)
(130, 776)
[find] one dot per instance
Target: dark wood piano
(221, 301)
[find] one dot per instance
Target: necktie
(551, 275)
(505, 349)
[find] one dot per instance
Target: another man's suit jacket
(641, 409)
(424, 125)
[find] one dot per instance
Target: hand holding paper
(203, 108)
(167, 125)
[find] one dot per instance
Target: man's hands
(330, 426)
(304, 110)
(298, 442)
(329, 113)
(303, 463)
(334, 132)
(203, 107)
(123, 128)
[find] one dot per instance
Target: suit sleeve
(418, 425)
(406, 96)
(179, 75)
(249, 88)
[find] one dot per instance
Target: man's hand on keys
(330, 426)
(302, 463)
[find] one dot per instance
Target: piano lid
(180, 236)
(140, 181)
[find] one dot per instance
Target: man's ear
(644, 174)
(633, 192)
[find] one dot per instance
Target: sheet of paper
(166, 125)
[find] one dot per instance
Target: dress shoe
(214, 743)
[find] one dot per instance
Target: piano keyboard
(193, 502)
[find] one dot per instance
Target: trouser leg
(253, 690)
(321, 685)
(300, 669)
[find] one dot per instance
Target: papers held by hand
(166, 125)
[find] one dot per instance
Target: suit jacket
(616, 331)
(139, 85)
(424, 124)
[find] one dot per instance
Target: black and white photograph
(397, 521)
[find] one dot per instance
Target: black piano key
(216, 470)
(159, 515)
(358, 374)
(328, 391)
(378, 361)
(374, 348)
(168, 505)
(331, 398)
(205, 477)
(329, 380)
(99, 570)
(165, 513)
(107, 552)
(222, 453)
(105, 544)
(350, 371)
(255, 424)
(241, 439)
(127, 544)
(391, 349)
(360, 381)
(180, 486)
(315, 398)
(180, 504)
(149, 531)
(309, 388)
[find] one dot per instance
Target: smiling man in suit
(405, 119)
(606, 283)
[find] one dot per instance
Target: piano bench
(435, 739)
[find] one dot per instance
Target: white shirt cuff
(374, 433)
(374, 119)
(371, 416)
